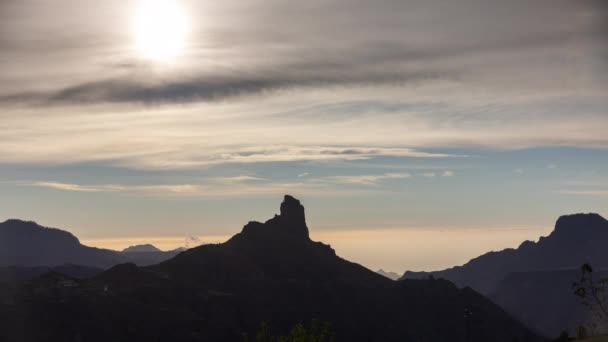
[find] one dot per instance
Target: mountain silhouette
(144, 255)
(24, 243)
(269, 272)
(27, 244)
(534, 281)
(576, 239)
(141, 249)
(150, 258)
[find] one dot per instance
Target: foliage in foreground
(317, 332)
(594, 295)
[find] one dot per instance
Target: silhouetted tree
(593, 294)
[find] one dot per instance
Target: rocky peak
(578, 220)
(291, 207)
(580, 227)
(292, 210)
(290, 225)
(574, 230)
(292, 216)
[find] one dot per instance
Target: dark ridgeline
(575, 240)
(269, 272)
(534, 281)
(27, 244)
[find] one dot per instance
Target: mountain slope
(269, 272)
(575, 240)
(27, 244)
(15, 274)
(546, 301)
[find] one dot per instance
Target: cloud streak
(213, 188)
(219, 189)
(277, 81)
(592, 193)
(254, 51)
(235, 186)
(207, 87)
(364, 179)
(79, 188)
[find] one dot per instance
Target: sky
(417, 133)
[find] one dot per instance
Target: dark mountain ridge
(575, 240)
(534, 281)
(27, 244)
(279, 248)
(269, 272)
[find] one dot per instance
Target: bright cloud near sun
(161, 29)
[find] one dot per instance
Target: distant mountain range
(147, 248)
(390, 275)
(27, 244)
(269, 272)
(143, 255)
(530, 280)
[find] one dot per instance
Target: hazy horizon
(395, 249)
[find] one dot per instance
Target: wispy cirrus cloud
(324, 86)
(210, 88)
(584, 192)
(434, 174)
(272, 154)
(219, 189)
(364, 179)
(78, 187)
(448, 173)
(239, 179)
(316, 153)
(178, 189)
(588, 184)
(212, 188)
(176, 148)
(244, 185)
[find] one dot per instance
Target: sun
(160, 30)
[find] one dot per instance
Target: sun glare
(160, 29)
